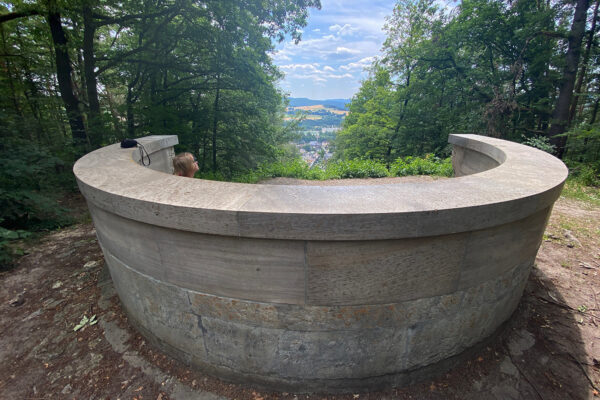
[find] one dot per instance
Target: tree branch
(19, 14)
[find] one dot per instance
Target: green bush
(355, 169)
(298, 169)
(7, 253)
(211, 176)
(589, 176)
(32, 180)
(428, 165)
(586, 174)
(539, 142)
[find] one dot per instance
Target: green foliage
(291, 169)
(7, 252)
(583, 146)
(200, 70)
(298, 169)
(428, 165)
(31, 181)
(445, 71)
(587, 174)
(30, 178)
(539, 142)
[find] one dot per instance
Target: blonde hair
(183, 164)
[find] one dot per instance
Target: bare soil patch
(549, 349)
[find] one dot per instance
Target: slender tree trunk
(8, 68)
(89, 67)
(560, 115)
(204, 146)
(215, 124)
(129, 101)
(400, 119)
(196, 126)
(594, 111)
(130, 115)
(63, 74)
(115, 115)
(584, 63)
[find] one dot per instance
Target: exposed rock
(18, 299)
(91, 264)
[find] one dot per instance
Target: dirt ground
(549, 349)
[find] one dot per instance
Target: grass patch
(574, 189)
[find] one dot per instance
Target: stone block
(391, 271)
(496, 250)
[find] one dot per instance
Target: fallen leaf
(480, 359)
(138, 389)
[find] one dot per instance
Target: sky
(339, 42)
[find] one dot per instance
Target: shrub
(6, 252)
(586, 174)
(298, 169)
(355, 169)
(428, 165)
(539, 142)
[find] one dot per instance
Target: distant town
(320, 122)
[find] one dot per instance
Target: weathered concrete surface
(321, 288)
(528, 180)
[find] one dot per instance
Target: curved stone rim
(525, 181)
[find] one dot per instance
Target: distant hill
(340, 104)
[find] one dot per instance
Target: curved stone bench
(334, 288)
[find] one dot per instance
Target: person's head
(184, 164)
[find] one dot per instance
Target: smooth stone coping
(518, 181)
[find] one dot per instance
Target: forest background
(77, 75)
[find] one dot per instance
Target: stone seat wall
(329, 288)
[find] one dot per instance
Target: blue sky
(339, 41)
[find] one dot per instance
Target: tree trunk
(130, 116)
(560, 115)
(594, 111)
(89, 66)
(215, 123)
(63, 74)
(584, 63)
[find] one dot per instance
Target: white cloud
(358, 65)
(345, 30)
(303, 67)
(335, 76)
(345, 50)
(278, 57)
(340, 42)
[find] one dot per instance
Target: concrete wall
(305, 288)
